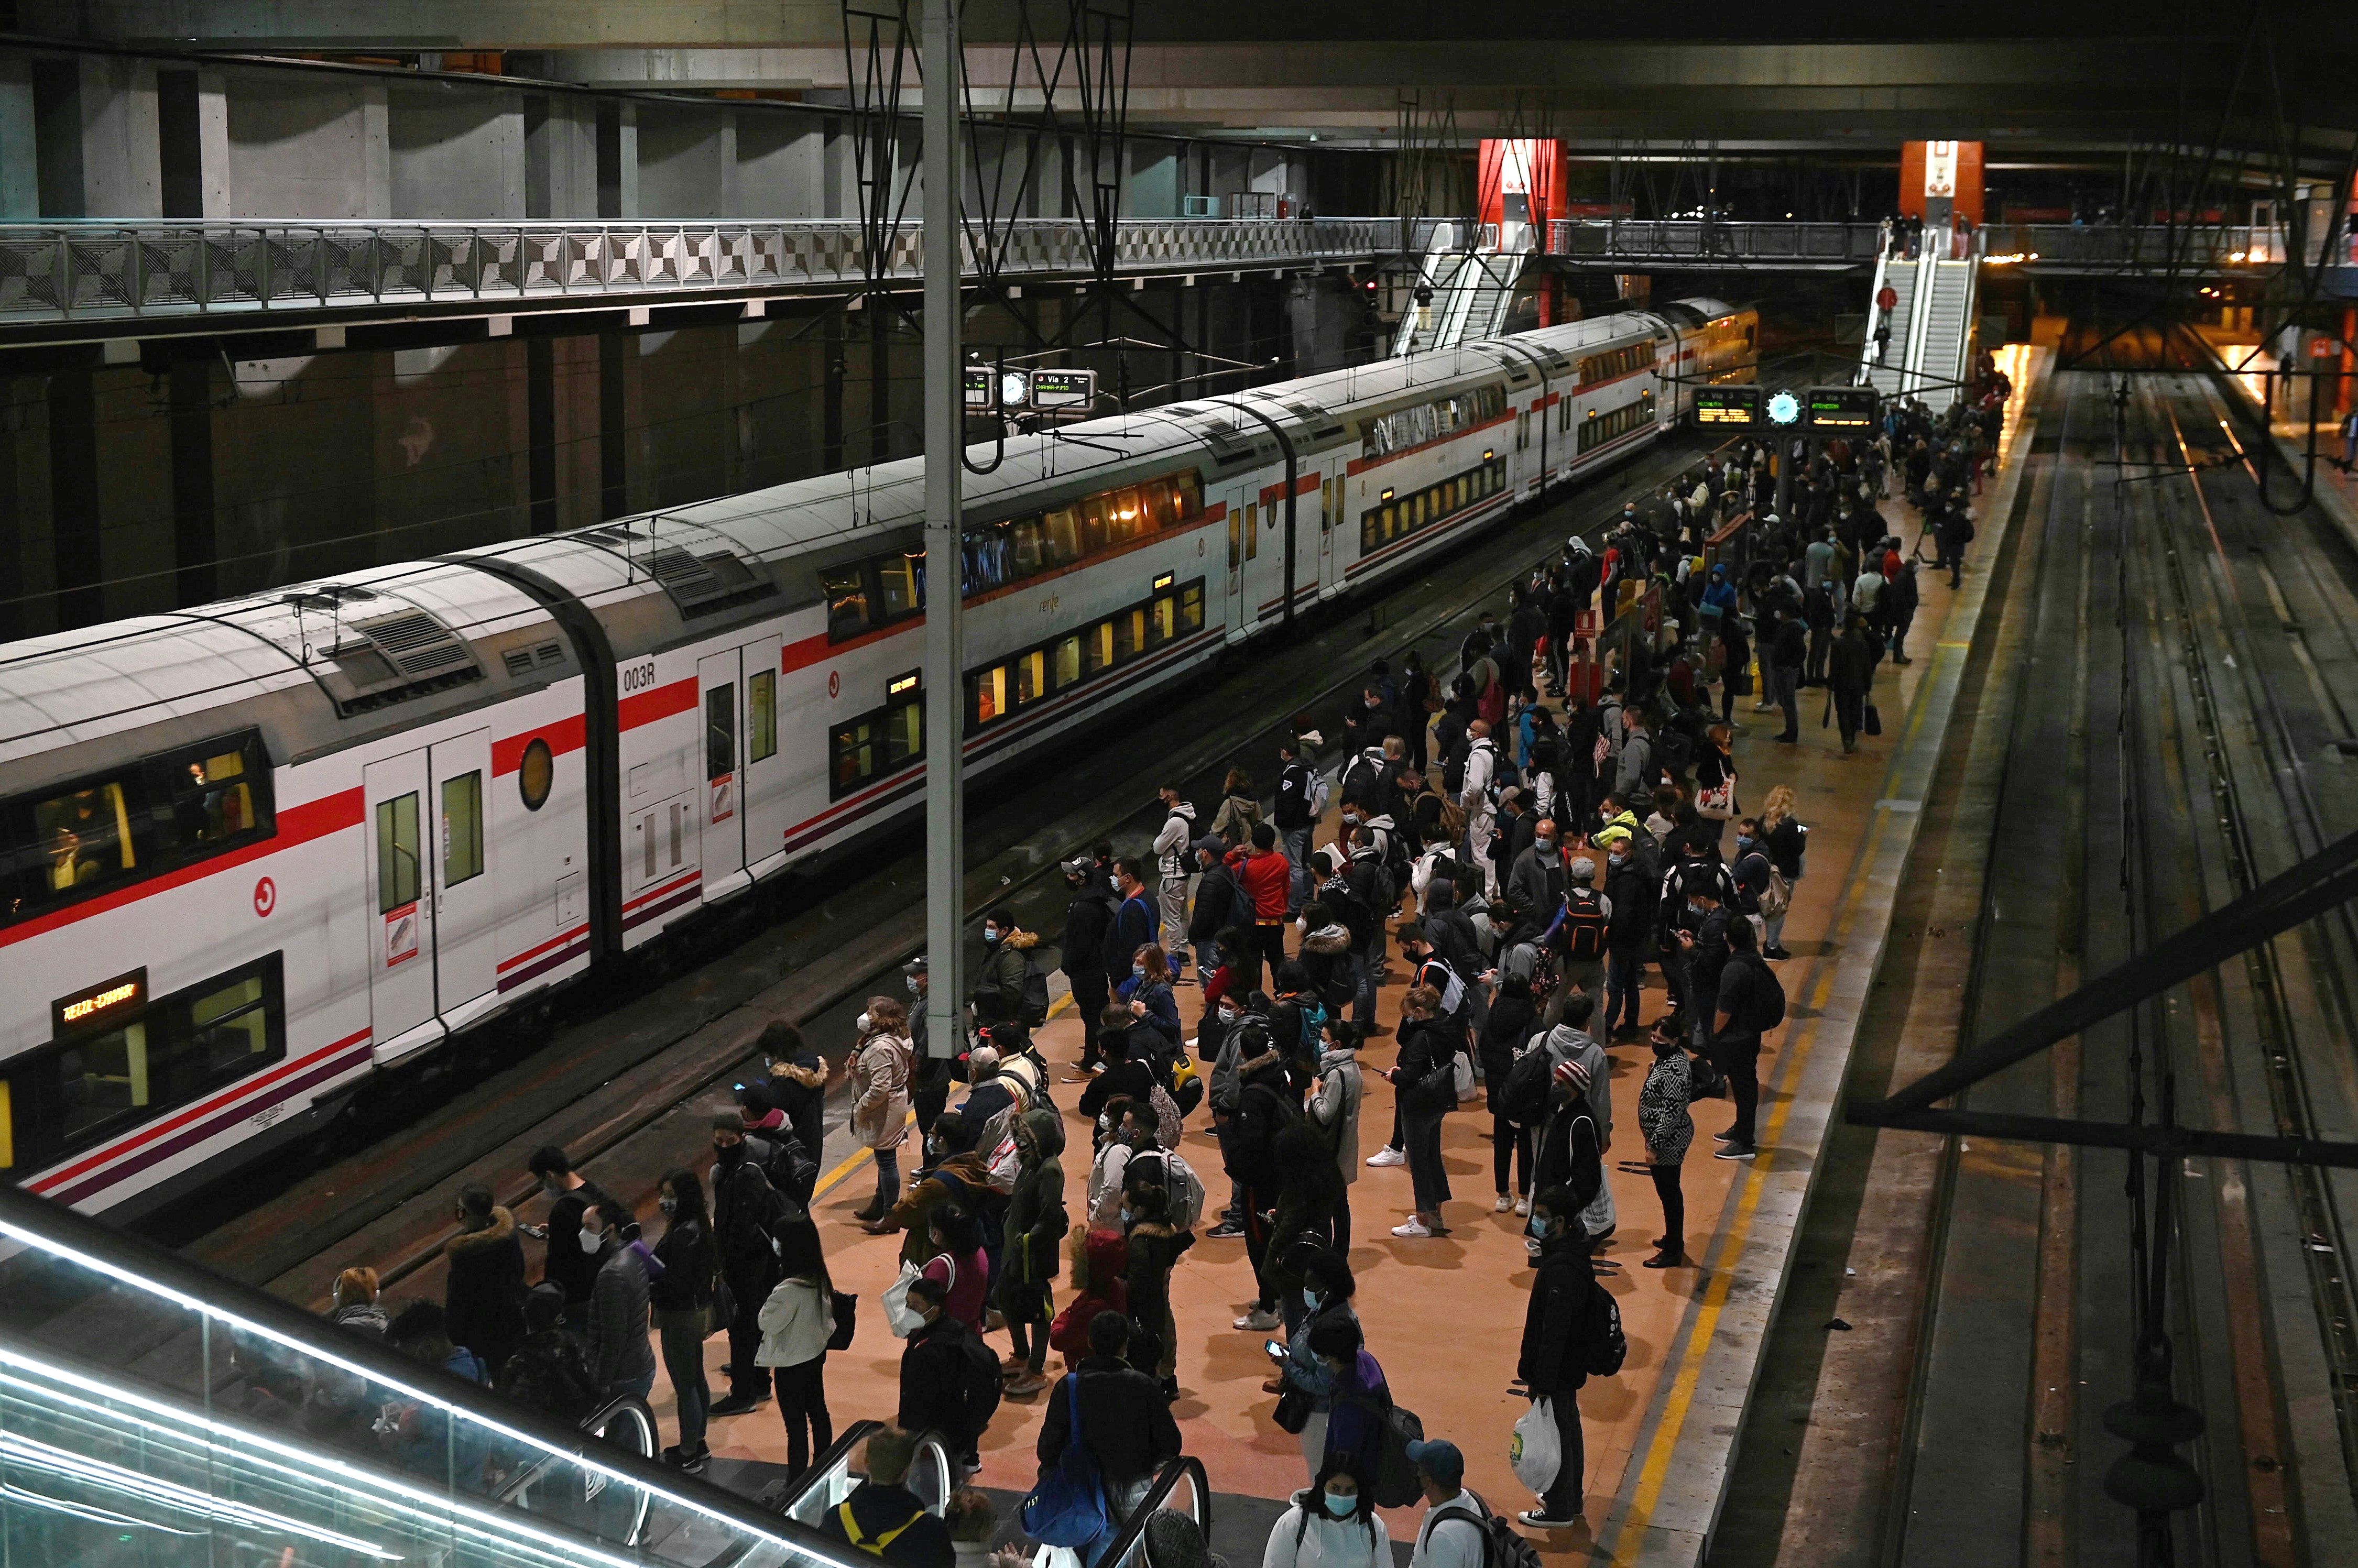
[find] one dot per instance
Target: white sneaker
(1413, 1229)
(1524, 1205)
(1503, 1205)
(1259, 1322)
(1388, 1157)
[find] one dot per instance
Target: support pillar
(944, 683)
(613, 466)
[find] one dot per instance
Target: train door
(465, 911)
(764, 793)
(1330, 518)
(401, 898)
(724, 818)
(1237, 616)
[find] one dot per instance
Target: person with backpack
(1560, 1346)
(745, 1207)
(949, 1378)
(1332, 1523)
(999, 987)
(1081, 949)
(1358, 1400)
(1265, 1107)
(1506, 1034)
(547, 1372)
(1583, 931)
(1477, 797)
(1033, 1251)
(1219, 904)
(797, 1076)
(1171, 865)
(1455, 1530)
(881, 1516)
(1749, 1001)
(1309, 1190)
(797, 1325)
(1301, 801)
(1119, 1415)
(1265, 878)
(1155, 1237)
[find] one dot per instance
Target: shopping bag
(899, 1315)
(1536, 1451)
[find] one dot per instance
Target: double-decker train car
(254, 852)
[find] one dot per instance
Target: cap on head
(914, 967)
(981, 1060)
(1439, 1458)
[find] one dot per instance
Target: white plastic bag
(1535, 1451)
(898, 1315)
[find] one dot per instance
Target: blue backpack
(1068, 1506)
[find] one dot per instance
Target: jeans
(1564, 1498)
(1739, 1060)
(887, 1178)
(1296, 844)
(1509, 1143)
(1363, 989)
(680, 1331)
(1776, 935)
(1621, 976)
(801, 1404)
(1427, 1176)
(1674, 1209)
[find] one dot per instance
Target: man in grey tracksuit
(1172, 869)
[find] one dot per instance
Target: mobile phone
(1276, 1348)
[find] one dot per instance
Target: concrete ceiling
(2029, 77)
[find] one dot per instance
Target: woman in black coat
(1504, 1032)
(1558, 1340)
(1425, 1075)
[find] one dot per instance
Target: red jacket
(1267, 878)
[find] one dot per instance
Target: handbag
(1462, 1070)
(1718, 802)
(1536, 1451)
(1292, 1413)
(1067, 1507)
(904, 1322)
(846, 1308)
(1873, 723)
(720, 1310)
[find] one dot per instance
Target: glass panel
(462, 829)
(990, 694)
(211, 798)
(1028, 557)
(1163, 621)
(1093, 525)
(1190, 488)
(1063, 527)
(1068, 662)
(1252, 530)
(86, 836)
(762, 716)
(231, 1029)
(101, 1081)
(1098, 648)
(1129, 632)
(855, 754)
(1191, 606)
(720, 732)
(1154, 505)
(7, 1126)
(1031, 676)
(1236, 539)
(397, 871)
(846, 588)
(904, 732)
(897, 583)
(1126, 520)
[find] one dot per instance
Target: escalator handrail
(594, 1424)
(839, 1453)
(1168, 1478)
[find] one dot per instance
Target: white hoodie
(1171, 844)
(1326, 1541)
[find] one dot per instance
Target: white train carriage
(257, 850)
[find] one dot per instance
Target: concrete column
(686, 158)
(20, 158)
(540, 433)
(122, 173)
(781, 166)
(836, 174)
(299, 146)
(560, 156)
(192, 142)
(618, 159)
(726, 205)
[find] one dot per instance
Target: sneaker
(1776, 954)
(1727, 1137)
(738, 1404)
(1388, 1156)
(1414, 1229)
(1227, 1230)
(1025, 1387)
(1736, 1152)
(1504, 1204)
(694, 1463)
(1261, 1320)
(1535, 1519)
(1524, 1204)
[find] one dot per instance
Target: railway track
(615, 1076)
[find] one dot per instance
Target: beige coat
(879, 1090)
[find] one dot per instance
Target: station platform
(1444, 1316)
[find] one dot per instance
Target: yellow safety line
(1630, 1539)
(836, 1177)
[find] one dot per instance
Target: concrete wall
(687, 162)
(560, 131)
(455, 153)
(307, 146)
(1151, 189)
(20, 158)
(781, 172)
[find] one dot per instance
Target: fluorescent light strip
(437, 1511)
(52, 1248)
(98, 1516)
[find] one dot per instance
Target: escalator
(1929, 351)
(1179, 1484)
(812, 1496)
(1471, 288)
(152, 1412)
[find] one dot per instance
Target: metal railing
(1118, 1550)
(811, 1496)
(1696, 240)
(108, 270)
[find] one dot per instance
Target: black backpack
(1584, 925)
(1765, 994)
(978, 1384)
(847, 1320)
(1503, 1546)
(1390, 1473)
(1607, 1345)
(1523, 1096)
(787, 1164)
(1034, 1010)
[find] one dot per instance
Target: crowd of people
(1513, 848)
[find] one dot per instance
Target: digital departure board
(98, 1007)
(1728, 405)
(1842, 408)
(978, 387)
(1064, 388)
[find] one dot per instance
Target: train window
(853, 746)
(846, 603)
(989, 689)
(1066, 669)
(212, 795)
(1025, 532)
(462, 829)
(900, 578)
(720, 732)
(1096, 648)
(174, 1049)
(1129, 634)
(1130, 518)
(536, 774)
(1093, 525)
(1252, 531)
(1187, 492)
(1031, 676)
(398, 874)
(86, 836)
(1235, 538)
(760, 716)
(904, 730)
(1162, 621)
(1063, 526)
(1191, 607)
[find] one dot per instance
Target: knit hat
(1173, 1542)
(1572, 1073)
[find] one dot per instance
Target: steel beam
(945, 685)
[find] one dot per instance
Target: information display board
(1727, 408)
(1842, 408)
(1064, 388)
(979, 386)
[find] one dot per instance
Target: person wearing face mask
(1557, 1334)
(566, 1267)
(745, 1208)
(1032, 1255)
(1080, 948)
(1535, 885)
(881, 1058)
(1663, 1118)
(1748, 876)
(1326, 1293)
(681, 1295)
(620, 1360)
(1172, 869)
(1630, 894)
(998, 993)
(1334, 1109)
(482, 1294)
(1333, 1524)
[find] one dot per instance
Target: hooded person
(1031, 1256)
(998, 993)
(1173, 867)
(1100, 1260)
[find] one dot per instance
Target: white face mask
(912, 984)
(592, 1240)
(861, 1024)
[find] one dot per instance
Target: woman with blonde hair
(1786, 842)
(356, 1304)
(881, 1061)
(1240, 810)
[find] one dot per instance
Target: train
(260, 851)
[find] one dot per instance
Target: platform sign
(1728, 407)
(1064, 388)
(1842, 408)
(980, 384)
